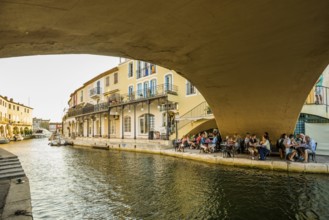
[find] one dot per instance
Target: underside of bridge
(254, 61)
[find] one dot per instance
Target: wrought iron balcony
(95, 92)
(101, 107)
(169, 106)
(150, 92)
(118, 99)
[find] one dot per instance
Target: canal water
(81, 183)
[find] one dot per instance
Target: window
(146, 69)
(81, 96)
(17, 108)
(98, 87)
(13, 107)
(146, 89)
(9, 106)
(112, 126)
(153, 68)
(130, 70)
(107, 81)
(153, 86)
(140, 90)
(190, 89)
(168, 82)
(131, 92)
(139, 70)
(146, 123)
(127, 124)
(115, 78)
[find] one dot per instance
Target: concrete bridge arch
(254, 62)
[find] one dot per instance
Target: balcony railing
(89, 109)
(95, 91)
(150, 92)
(169, 106)
(146, 71)
(117, 99)
(318, 96)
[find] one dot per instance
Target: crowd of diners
(291, 148)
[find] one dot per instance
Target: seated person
(310, 147)
(213, 143)
(289, 143)
(245, 143)
(230, 146)
(198, 139)
(237, 143)
(203, 143)
(280, 146)
(252, 146)
(265, 147)
(190, 143)
(183, 144)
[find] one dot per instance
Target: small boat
(4, 140)
(41, 133)
(59, 140)
(101, 147)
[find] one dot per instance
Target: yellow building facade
(15, 118)
(135, 100)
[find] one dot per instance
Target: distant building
(55, 126)
(15, 118)
(40, 123)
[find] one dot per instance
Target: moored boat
(41, 133)
(4, 140)
(58, 140)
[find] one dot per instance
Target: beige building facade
(15, 118)
(135, 100)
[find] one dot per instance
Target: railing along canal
(201, 110)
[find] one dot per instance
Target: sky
(46, 82)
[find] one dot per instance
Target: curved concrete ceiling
(254, 61)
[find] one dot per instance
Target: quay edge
(165, 148)
(17, 197)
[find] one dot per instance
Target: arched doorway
(16, 130)
(26, 131)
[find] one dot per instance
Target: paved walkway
(15, 198)
(273, 157)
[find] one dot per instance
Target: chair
(228, 150)
(175, 144)
(313, 154)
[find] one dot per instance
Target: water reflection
(80, 183)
